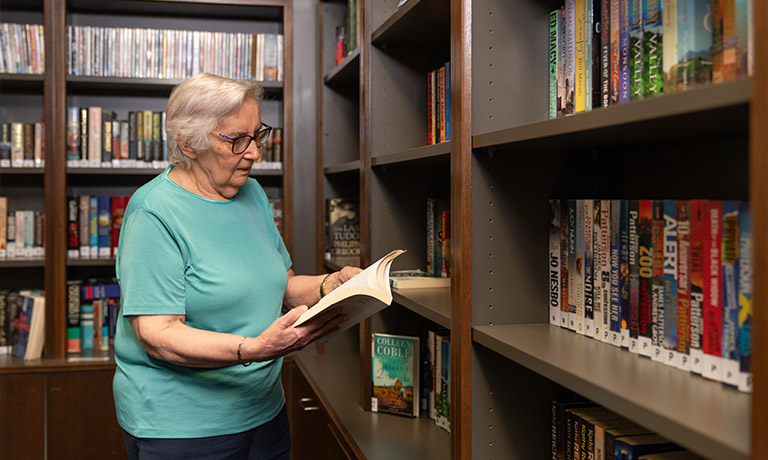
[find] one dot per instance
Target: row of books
(22, 145)
(97, 138)
(92, 311)
(22, 323)
(173, 54)
(581, 429)
(605, 52)
(348, 34)
(22, 48)
(438, 237)
(669, 280)
(412, 375)
(439, 105)
(22, 233)
(93, 225)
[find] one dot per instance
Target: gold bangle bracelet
(239, 357)
(322, 285)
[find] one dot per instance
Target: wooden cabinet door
(81, 416)
(22, 416)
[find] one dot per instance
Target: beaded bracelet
(239, 357)
(322, 285)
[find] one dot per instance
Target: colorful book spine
(447, 67)
(572, 264)
(564, 263)
(86, 327)
(570, 56)
(615, 296)
(554, 53)
(579, 265)
(589, 268)
(624, 52)
(683, 285)
(746, 290)
(605, 53)
(598, 306)
(653, 35)
(699, 250)
(735, 55)
(730, 288)
(645, 283)
(73, 317)
(669, 25)
(716, 19)
(554, 261)
(669, 332)
(605, 269)
(637, 56)
(657, 280)
(633, 218)
(591, 7)
(562, 55)
(580, 92)
(694, 43)
(615, 58)
(712, 319)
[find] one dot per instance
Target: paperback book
(395, 376)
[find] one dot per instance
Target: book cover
(562, 55)
(645, 274)
(591, 52)
(615, 235)
(447, 67)
(106, 129)
(698, 250)
(653, 48)
(104, 227)
(3, 227)
(564, 263)
(683, 285)
(632, 447)
(395, 374)
(657, 280)
(430, 108)
(73, 133)
(416, 279)
(73, 227)
(730, 291)
(554, 262)
(712, 310)
(669, 54)
(445, 243)
(11, 235)
(624, 272)
(86, 327)
(93, 216)
(717, 40)
(147, 131)
(443, 393)
(670, 253)
(441, 104)
(694, 43)
(94, 135)
(29, 326)
(636, 50)
(342, 231)
(605, 54)
(117, 208)
(613, 434)
(746, 289)
(736, 48)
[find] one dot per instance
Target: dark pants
(270, 441)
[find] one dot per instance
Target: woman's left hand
(340, 277)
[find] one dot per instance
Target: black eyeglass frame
(260, 138)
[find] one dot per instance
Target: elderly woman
(204, 275)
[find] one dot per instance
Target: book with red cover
(712, 309)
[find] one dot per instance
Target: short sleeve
(151, 267)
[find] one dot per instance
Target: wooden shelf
(89, 360)
(431, 303)
(22, 263)
(21, 83)
(90, 262)
(688, 113)
(341, 168)
(347, 72)
(159, 87)
(438, 152)
(380, 436)
(269, 10)
(417, 22)
(701, 415)
(22, 171)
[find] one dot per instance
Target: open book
(362, 296)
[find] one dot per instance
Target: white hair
(196, 107)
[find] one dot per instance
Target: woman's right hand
(281, 338)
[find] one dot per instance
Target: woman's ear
(186, 149)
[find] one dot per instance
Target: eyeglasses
(241, 143)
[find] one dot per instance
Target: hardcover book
(395, 375)
(360, 297)
(342, 220)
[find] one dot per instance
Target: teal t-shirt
(221, 264)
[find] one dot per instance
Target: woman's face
(225, 171)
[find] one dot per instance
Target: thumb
(293, 314)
